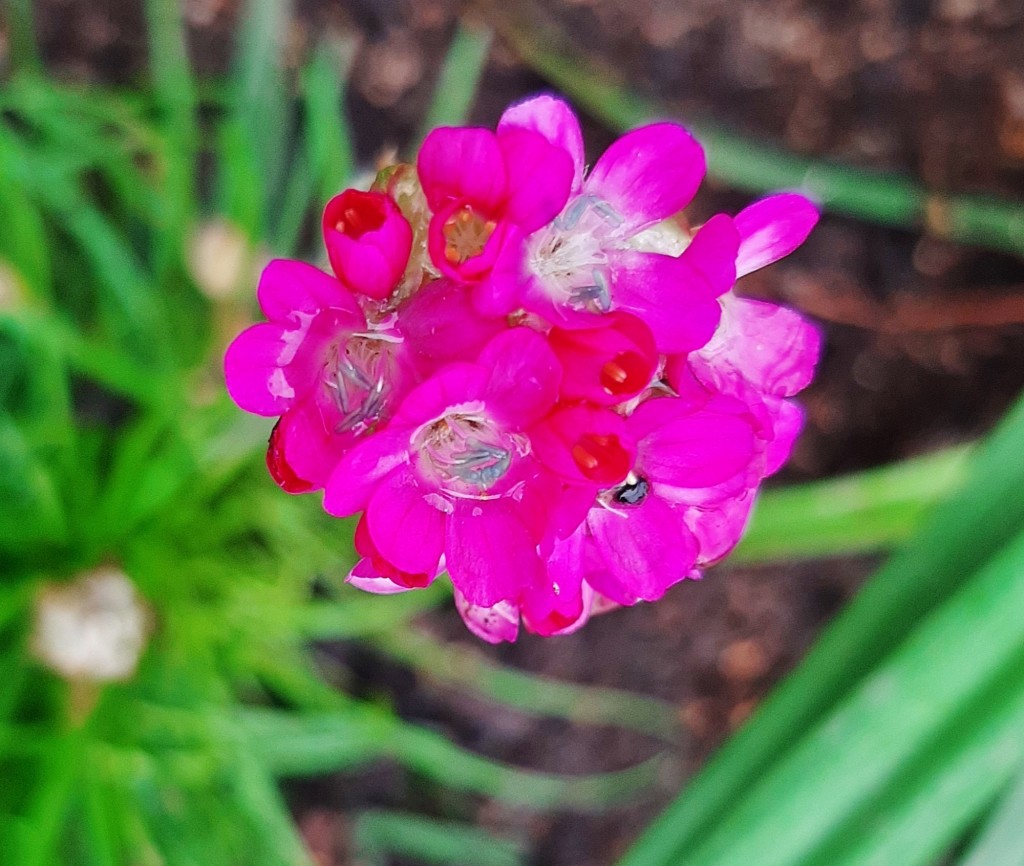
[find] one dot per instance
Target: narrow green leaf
(328, 139)
(22, 36)
(470, 670)
(1001, 841)
(428, 840)
(945, 667)
(460, 76)
(862, 513)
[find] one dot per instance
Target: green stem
(745, 163)
(466, 668)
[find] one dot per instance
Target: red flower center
(601, 458)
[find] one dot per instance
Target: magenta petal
(524, 378)
(646, 549)
(407, 532)
(455, 384)
(494, 624)
(462, 165)
(312, 444)
(554, 119)
(490, 553)
(649, 174)
(372, 264)
(772, 347)
(787, 422)
(668, 295)
(711, 256)
(539, 178)
(440, 324)
(254, 369)
(363, 576)
(719, 529)
(288, 287)
(698, 450)
(356, 478)
(772, 228)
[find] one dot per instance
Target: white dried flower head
(93, 628)
(220, 258)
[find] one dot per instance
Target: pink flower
(687, 457)
(368, 241)
(483, 186)
(607, 364)
(318, 365)
(454, 475)
(590, 259)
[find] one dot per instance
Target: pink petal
(524, 376)
(539, 178)
(455, 384)
(720, 528)
(288, 288)
(648, 175)
(584, 444)
(554, 119)
(489, 552)
(494, 624)
(646, 549)
(254, 369)
(406, 531)
(607, 364)
(363, 576)
(667, 295)
(311, 446)
(711, 255)
(772, 347)
(440, 325)
(356, 478)
(690, 449)
(463, 165)
(788, 421)
(772, 228)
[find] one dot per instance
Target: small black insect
(633, 493)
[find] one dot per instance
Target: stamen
(465, 453)
(601, 458)
(466, 234)
(626, 373)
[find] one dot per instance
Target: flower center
(465, 452)
(570, 255)
(355, 213)
(466, 234)
(601, 458)
(625, 374)
(359, 376)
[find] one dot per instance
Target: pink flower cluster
(529, 375)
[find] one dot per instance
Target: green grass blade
(470, 670)
(862, 513)
(1001, 841)
(329, 144)
(943, 672)
(316, 743)
(378, 834)
(460, 76)
(22, 35)
(955, 540)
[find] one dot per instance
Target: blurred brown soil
(924, 339)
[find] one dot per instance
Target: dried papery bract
(92, 629)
